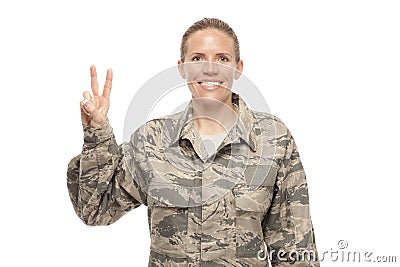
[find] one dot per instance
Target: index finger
(93, 80)
(108, 83)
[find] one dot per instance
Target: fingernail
(86, 102)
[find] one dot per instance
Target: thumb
(98, 119)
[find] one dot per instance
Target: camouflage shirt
(222, 210)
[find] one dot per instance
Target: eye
(196, 58)
(223, 59)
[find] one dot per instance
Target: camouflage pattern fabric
(107, 180)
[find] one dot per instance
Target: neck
(212, 116)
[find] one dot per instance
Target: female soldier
(215, 205)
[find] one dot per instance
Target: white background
(328, 69)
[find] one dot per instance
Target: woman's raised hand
(94, 107)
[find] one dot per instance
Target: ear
(181, 70)
(239, 69)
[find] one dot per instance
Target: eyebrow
(218, 54)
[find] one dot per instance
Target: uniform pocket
(251, 206)
(254, 194)
(168, 228)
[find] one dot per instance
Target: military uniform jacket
(223, 210)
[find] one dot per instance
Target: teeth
(210, 84)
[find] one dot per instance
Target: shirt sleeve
(287, 226)
(100, 185)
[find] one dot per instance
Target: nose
(210, 68)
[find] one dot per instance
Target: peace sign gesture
(94, 107)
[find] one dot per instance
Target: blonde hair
(210, 23)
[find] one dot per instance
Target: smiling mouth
(210, 85)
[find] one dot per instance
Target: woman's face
(210, 66)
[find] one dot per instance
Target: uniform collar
(245, 128)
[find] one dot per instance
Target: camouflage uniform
(106, 181)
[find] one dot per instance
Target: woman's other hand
(94, 107)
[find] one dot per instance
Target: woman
(207, 206)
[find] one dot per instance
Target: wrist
(95, 134)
